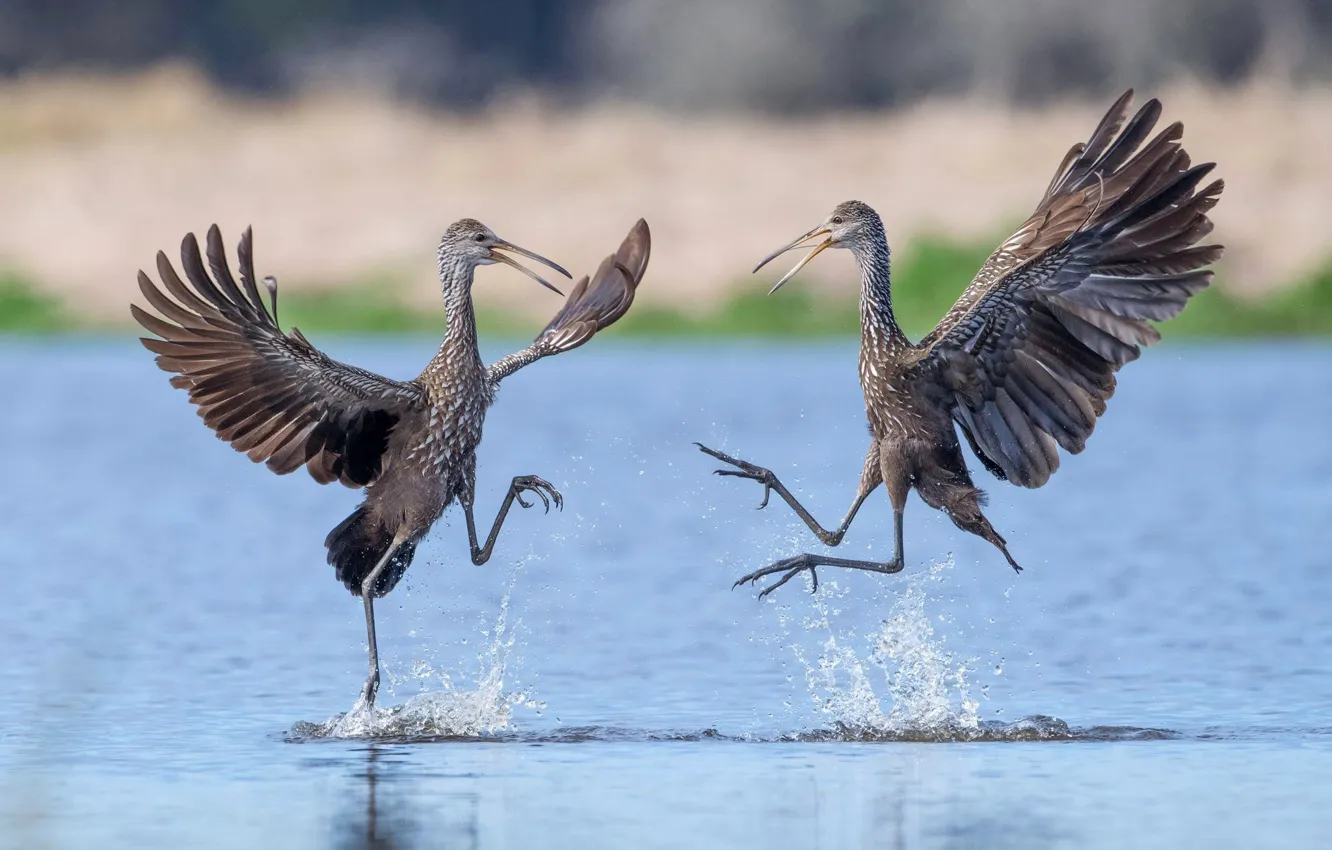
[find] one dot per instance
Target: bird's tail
(357, 545)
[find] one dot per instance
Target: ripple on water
(398, 727)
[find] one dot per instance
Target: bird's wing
(591, 306)
(271, 395)
(1092, 176)
(1027, 357)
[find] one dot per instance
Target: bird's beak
(510, 261)
(802, 242)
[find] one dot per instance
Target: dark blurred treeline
(776, 55)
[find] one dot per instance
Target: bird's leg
(530, 483)
(371, 687)
(792, 567)
(744, 469)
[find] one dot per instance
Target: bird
(411, 445)
(1025, 361)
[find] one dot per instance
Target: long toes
(740, 473)
(554, 495)
(725, 458)
(750, 578)
(714, 453)
(784, 579)
(521, 500)
(780, 566)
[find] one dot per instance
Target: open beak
(510, 261)
(802, 242)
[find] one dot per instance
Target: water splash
(925, 684)
(448, 712)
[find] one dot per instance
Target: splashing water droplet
(449, 712)
(926, 685)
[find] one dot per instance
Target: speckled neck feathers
(878, 325)
(457, 367)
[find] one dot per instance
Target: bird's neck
(878, 325)
(459, 357)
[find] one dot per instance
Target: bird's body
(435, 452)
(410, 444)
(1025, 361)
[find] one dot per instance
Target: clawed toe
(542, 488)
(743, 469)
(721, 456)
(791, 567)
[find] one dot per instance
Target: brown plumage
(410, 444)
(1025, 361)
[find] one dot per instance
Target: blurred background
(172, 621)
(349, 133)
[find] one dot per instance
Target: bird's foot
(743, 469)
(792, 567)
(369, 691)
(543, 488)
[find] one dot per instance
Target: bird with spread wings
(1025, 361)
(410, 444)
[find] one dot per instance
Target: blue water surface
(175, 645)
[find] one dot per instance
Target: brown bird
(1025, 360)
(410, 444)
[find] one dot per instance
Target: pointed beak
(510, 261)
(802, 242)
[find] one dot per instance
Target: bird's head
(851, 224)
(477, 245)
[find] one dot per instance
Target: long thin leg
(745, 469)
(371, 687)
(543, 489)
(792, 567)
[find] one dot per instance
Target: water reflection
(381, 812)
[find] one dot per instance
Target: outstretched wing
(1029, 352)
(591, 306)
(1091, 178)
(271, 395)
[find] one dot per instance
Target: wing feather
(593, 304)
(1030, 350)
(271, 395)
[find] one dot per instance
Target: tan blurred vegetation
(98, 173)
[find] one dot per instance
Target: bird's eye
(480, 237)
(837, 219)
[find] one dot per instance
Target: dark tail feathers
(357, 544)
